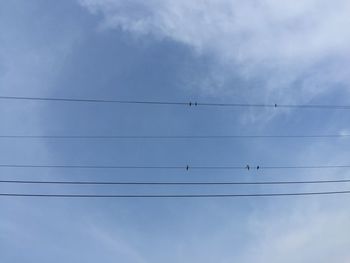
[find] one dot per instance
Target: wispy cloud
(290, 51)
(299, 48)
(115, 243)
(311, 234)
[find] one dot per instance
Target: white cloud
(281, 42)
(118, 245)
(287, 50)
(305, 235)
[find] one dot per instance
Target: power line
(93, 100)
(119, 167)
(174, 195)
(185, 167)
(305, 167)
(171, 183)
(165, 137)
(182, 103)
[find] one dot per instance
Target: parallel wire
(305, 167)
(171, 183)
(296, 106)
(188, 167)
(90, 166)
(153, 137)
(93, 100)
(174, 195)
(181, 103)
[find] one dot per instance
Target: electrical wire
(170, 183)
(174, 195)
(182, 103)
(185, 167)
(165, 137)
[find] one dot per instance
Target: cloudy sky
(267, 51)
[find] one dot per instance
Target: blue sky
(223, 51)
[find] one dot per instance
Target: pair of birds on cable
(248, 167)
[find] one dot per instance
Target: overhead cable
(180, 167)
(182, 103)
(171, 183)
(173, 195)
(170, 137)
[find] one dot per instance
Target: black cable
(174, 196)
(89, 166)
(238, 105)
(93, 100)
(171, 183)
(248, 167)
(305, 167)
(152, 137)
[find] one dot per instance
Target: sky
(266, 51)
